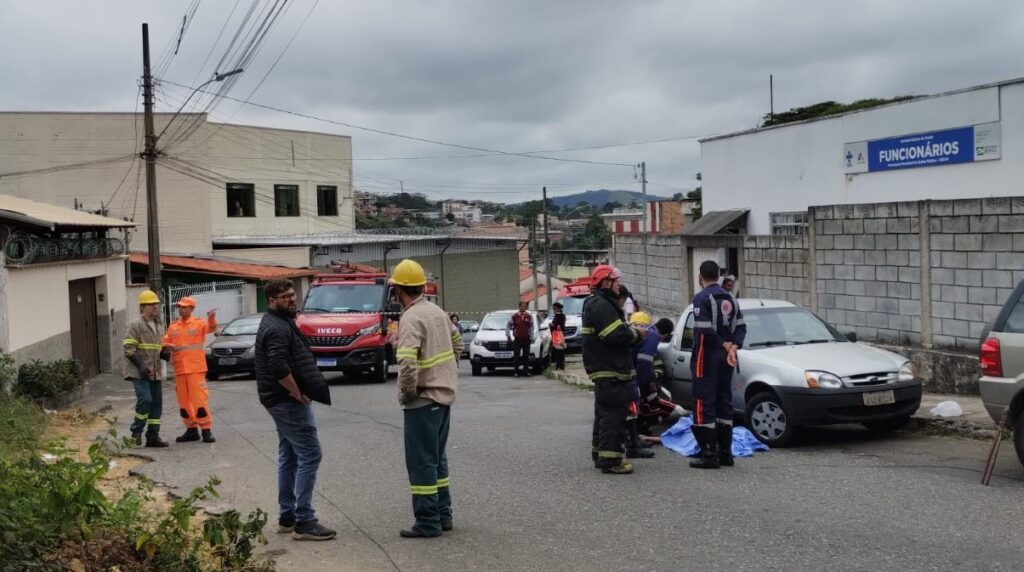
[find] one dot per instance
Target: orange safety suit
(189, 361)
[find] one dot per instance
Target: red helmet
(604, 272)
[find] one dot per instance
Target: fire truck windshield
(343, 298)
(572, 305)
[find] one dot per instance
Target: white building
(967, 143)
(462, 211)
(213, 179)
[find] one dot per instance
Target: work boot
(634, 449)
(208, 436)
(708, 441)
(595, 458)
(190, 434)
(154, 441)
(617, 467)
(725, 445)
(137, 437)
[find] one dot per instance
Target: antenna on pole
(771, 99)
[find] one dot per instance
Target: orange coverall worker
(188, 336)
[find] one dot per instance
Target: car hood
(840, 358)
(233, 342)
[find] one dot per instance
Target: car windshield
(495, 321)
(242, 327)
(341, 298)
(768, 327)
(572, 305)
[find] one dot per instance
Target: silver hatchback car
(796, 369)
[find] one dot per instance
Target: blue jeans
(298, 459)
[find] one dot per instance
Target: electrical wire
(63, 167)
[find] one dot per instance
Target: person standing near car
(608, 361)
(142, 367)
(427, 382)
(718, 332)
(519, 332)
(186, 338)
(288, 379)
(558, 325)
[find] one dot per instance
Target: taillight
(991, 363)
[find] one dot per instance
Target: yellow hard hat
(642, 318)
(409, 273)
(148, 297)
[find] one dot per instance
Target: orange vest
(190, 337)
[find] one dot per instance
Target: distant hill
(599, 197)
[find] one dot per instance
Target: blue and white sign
(946, 147)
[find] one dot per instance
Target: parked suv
(491, 349)
(1002, 368)
(795, 370)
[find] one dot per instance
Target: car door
(680, 377)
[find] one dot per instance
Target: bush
(49, 379)
(8, 373)
(21, 423)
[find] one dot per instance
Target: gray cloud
(520, 76)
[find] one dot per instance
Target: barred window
(789, 223)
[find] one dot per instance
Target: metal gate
(225, 297)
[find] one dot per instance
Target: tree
(450, 217)
(610, 206)
(677, 197)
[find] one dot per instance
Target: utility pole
(547, 249)
(644, 230)
(149, 154)
(533, 258)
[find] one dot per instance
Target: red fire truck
(571, 296)
(345, 319)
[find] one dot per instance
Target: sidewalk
(974, 422)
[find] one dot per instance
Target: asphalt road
(526, 496)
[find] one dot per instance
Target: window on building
(241, 199)
(286, 200)
(789, 223)
(327, 200)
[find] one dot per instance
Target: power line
(410, 137)
(64, 167)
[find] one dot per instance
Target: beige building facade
(213, 179)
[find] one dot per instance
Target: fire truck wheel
(380, 372)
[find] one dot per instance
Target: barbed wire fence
(23, 248)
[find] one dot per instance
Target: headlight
(477, 342)
(908, 372)
(249, 353)
(209, 350)
(369, 330)
(823, 380)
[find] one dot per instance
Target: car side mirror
(216, 333)
(852, 336)
(393, 309)
(474, 328)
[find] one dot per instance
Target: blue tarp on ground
(680, 439)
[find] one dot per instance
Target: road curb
(922, 422)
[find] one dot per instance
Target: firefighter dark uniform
(608, 361)
(654, 406)
(717, 320)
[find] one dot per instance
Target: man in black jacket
(608, 360)
(287, 379)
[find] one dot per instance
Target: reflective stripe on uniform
(153, 422)
(441, 483)
(645, 357)
(702, 324)
(609, 454)
(142, 416)
(131, 342)
(609, 329)
(434, 360)
(143, 346)
(409, 353)
(586, 330)
(423, 489)
(190, 347)
(599, 375)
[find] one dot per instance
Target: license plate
(503, 355)
(326, 362)
(879, 398)
(227, 361)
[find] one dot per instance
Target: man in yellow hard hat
(186, 339)
(427, 381)
(142, 367)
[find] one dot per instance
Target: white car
(491, 349)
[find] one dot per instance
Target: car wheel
(886, 425)
(768, 421)
(212, 375)
(1018, 437)
(380, 372)
(477, 370)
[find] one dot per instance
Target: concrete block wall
(775, 267)
(665, 273)
(869, 270)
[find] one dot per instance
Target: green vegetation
(57, 512)
(49, 379)
(826, 108)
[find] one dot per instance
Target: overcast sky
(518, 75)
